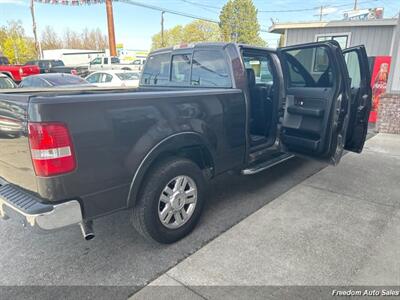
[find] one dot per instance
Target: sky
(135, 25)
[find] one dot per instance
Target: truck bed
(112, 131)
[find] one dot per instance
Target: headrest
(251, 77)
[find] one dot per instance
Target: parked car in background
(58, 66)
(111, 63)
(114, 78)
(6, 82)
(53, 80)
(138, 64)
(17, 72)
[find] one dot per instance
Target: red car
(16, 72)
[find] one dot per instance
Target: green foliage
(15, 44)
(239, 23)
(196, 31)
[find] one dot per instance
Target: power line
(179, 13)
(203, 6)
(311, 9)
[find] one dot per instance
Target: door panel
(361, 97)
(315, 114)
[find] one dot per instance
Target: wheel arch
(190, 145)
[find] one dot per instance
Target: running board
(266, 164)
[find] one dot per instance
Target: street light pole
(111, 30)
(162, 28)
(37, 45)
(355, 5)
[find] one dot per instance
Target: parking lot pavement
(118, 261)
(339, 227)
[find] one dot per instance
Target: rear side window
(156, 71)
(309, 67)
(180, 71)
(115, 60)
(209, 69)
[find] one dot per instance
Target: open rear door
(361, 97)
(316, 108)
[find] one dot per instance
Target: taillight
(51, 149)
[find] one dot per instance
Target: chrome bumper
(18, 204)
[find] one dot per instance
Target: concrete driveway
(118, 261)
(337, 230)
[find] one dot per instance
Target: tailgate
(15, 160)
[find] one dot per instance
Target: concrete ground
(118, 262)
(339, 227)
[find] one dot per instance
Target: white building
(74, 57)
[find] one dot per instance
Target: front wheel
(170, 201)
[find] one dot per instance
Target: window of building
(342, 39)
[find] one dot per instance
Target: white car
(114, 78)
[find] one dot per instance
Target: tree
(14, 43)
(50, 39)
(239, 23)
(201, 31)
(196, 31)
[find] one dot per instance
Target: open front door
(361, 97)
(316, 108)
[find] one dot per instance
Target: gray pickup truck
(71, 156)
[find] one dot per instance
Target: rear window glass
(156, 71)
(309, 67)
(209, 69)
(66, 80)
(128, 76)
(58, 63)
(180, 71)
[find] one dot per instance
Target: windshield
(128, 76)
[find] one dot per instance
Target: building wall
(377, 39)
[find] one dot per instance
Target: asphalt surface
(118, 259)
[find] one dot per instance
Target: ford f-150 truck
(17, 72)
(71, 156)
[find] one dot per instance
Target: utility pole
(111, 31)
(162, 28)
(37, 44)
(355, 5)
(320, 12)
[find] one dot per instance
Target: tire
(150, 205)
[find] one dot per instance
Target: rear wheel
(170, 201)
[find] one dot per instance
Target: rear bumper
(18, 204)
